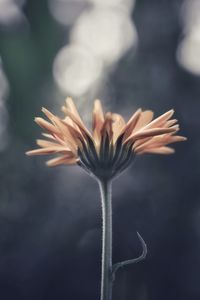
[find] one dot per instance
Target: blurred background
(130, 54)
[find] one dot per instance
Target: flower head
(113, 143)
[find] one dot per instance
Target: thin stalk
(106, 267)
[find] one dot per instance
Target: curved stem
(106, 271)
(116, 267)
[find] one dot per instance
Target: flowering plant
(104, 154)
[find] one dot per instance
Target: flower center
(109, 161)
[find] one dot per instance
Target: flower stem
(106, 271)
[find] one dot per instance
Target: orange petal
(48, 113)
(71, 106)
(46, 125)
(76, 134)
(117, 125)
(107, 126)
(98, 115)
(160, 150)
(171, 122)
(45, 143)
(144, 119)
(98, 121)
(129, 127)
(49, 150)
(81, 126)
(160, 120)
(72, 112)
(69, 121)
(157, 141)
(63, 160)
(177, 138)
(49, 136)
(149, 133)
(66, 135)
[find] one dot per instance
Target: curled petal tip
(45, 111)
(39, 120)
(138, 111)
(169, 151)
(69, 100)
(28, 153)
(97, 101)
(171, 111)
(36, 119)
(48, 164)
(175, 127)
(39, 151)
(178, 138)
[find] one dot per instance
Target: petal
(107, 126)
(49, 150)
(159, 150)
(129, 127)
(75, 133)
(69, 121)
(160, 120)
(45, 143)
(98, 121)
(46, 125)
(145, 143)
(98, 115)
(72, 112)
(49, 136)
(40, 151)
(176, 138)
(117, 125)
(63, 160)
(48, 114)
(80, 125)
(144, 119)
(66, 135)
(171, 122)
(149, 133)
(71, 106)
(159, 141)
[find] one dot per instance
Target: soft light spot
(76, 70)
(67, 11)
(103, 33)
(189, 48)
(10, 12)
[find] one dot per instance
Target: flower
(113, 143)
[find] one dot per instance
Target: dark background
(50, 219)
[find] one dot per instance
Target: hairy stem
(106, 271)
